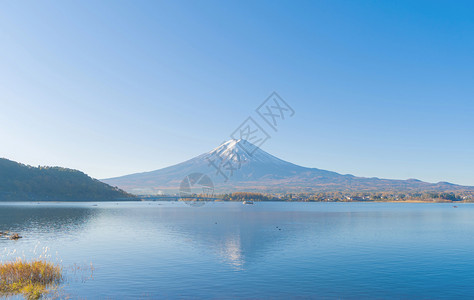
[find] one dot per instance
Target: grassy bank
(32, 279)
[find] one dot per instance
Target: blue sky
(379, 88)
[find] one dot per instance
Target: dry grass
(32, 279)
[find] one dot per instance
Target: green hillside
(19, 182)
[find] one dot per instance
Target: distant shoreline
(301, 201)
(257, 201)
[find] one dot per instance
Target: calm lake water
(267, 250)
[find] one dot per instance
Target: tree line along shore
(429, 197)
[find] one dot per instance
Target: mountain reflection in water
(266, 250)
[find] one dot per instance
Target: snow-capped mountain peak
(240, 165)
(244, 151)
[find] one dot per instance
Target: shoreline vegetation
(32, 279)
(356, 197)
(395, 197)
(384, 197)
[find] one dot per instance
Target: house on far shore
(355, 198)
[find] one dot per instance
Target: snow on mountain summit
(239, 165)
(244, 151)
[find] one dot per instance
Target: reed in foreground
(32, 279)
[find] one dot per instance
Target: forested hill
(19, 182)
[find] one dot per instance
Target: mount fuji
(238, 165)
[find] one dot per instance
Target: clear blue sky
(380, 88)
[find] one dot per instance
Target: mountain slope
(239, 165)
(20, 182)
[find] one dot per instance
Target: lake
(148, 250)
